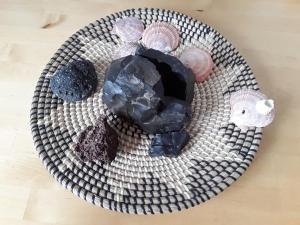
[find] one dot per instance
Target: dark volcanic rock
(178, 80)
(151, 88)
(173, 116)
(154, 90)
(99, 142)
(168, 144)
(75, 81)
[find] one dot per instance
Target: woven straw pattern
(216, 155)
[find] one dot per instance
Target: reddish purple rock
(99, 142)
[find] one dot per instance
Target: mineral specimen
(155, 91)
(178, 80)
(151, 88)
(168, 144)
(161, 36)
(199, 61)
(250, 108)
(99, 142)
(75, 81)
(129, 29)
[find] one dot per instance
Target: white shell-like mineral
(264, 107)
(125, 50)
(250, 108)
(161, 36)
(129, 29)
(199, 61)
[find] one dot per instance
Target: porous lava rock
(99, 142)
(75, 81)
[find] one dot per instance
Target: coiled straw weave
(216, 155)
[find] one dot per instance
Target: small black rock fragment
(99, 142)
(168, 144)
(75, 81)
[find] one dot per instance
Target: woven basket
(216, 155)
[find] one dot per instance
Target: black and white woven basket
(216, 155)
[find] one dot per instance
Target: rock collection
(145, 85)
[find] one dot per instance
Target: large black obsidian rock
(178, 80)
(154, 90)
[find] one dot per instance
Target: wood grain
(266, 32)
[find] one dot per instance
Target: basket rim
(58, 175)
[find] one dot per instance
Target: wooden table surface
(267, 33)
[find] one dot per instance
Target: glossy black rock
(75, 81)
(178, 80)
(152, 89)
(168, 144)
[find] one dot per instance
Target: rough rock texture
(151, 88)
(99, 142)
(168, 144)
(75, 81)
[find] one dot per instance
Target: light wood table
(267, 33)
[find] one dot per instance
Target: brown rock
(99, 142)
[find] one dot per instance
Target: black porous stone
(99, 142)
(168, 144)
(75, 81)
